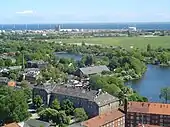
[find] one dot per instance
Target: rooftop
(36, 123)
(36, 62)
(94, 69)
(11, 125)
(150, 108)
(103, 119)
(101, 98)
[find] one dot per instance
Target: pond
(66, 55)
(151, 83)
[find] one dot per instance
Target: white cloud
(25, 12)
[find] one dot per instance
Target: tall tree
(55, 105)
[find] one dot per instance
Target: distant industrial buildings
(59, 29)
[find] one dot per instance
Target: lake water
(151, 83)
(66, 55)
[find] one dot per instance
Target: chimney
(125, 106)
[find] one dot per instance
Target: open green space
(126, 42)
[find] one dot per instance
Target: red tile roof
(11, 125)
(103, 119)
(150, 108)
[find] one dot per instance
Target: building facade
(94, 102)
(147, 113)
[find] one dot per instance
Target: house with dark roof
(36, 64)
(94, 102)
(87, 71)
(147, 113)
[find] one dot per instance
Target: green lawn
(126, 42)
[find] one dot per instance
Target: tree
(165, 94)
(67, 106)
(27, 93)
(8, 62)
(48, 114)
(55, 105)
(80, 114)
(24, 84)
(148, 47)
(37, 101)
(13, 76)
(62, 118)
(13, 105)
(2, 64)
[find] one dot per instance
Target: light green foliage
(37, 101)
(49, 114)
(165, 94)
(55, 105)
(13, 105)
(80, 114)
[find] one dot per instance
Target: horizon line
(78, 23)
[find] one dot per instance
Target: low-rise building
(36, 64)
(31, 74)
(86, 71)
(4, 80)
(94, 102)
(147, 113)
(113, 118)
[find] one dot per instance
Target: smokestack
(125, 105)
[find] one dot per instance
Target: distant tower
(58, 28)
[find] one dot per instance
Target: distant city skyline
(83, 11)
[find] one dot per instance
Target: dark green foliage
(13, 105)
(80, 114)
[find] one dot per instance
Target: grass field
(126, 42)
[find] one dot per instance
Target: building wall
(109, 107)
(133, 119)
(120, 122)
(41, 92)
(90, 107)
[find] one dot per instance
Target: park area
(126, 42)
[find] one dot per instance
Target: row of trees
(116, 87)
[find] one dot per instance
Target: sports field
(126, 42)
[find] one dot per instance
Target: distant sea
(143, 26)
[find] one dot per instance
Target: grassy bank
(126, 42)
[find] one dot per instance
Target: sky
(83, 11)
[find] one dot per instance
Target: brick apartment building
(147, 113)
(113, 118)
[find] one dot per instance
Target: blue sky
(75, 11)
